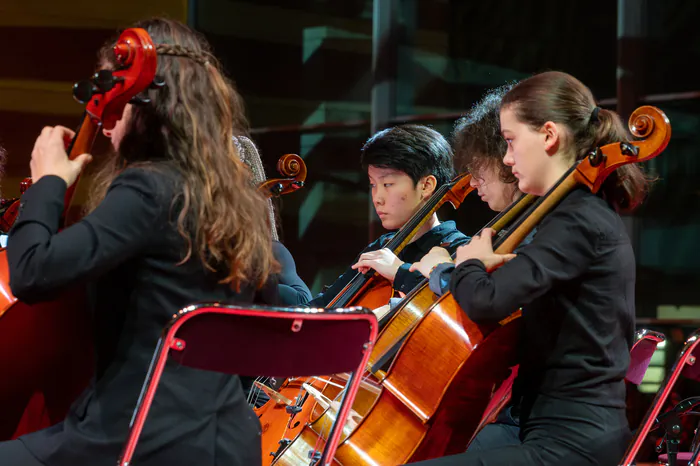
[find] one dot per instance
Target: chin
(524, 187)
(389, 225)
(496, 207)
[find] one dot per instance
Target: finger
(367, 255)
(486, 235)
(362, 263)
(66, 133)
(58, 136)
(364, 269)
(413, 267)
(82, 160)
(508, 257)
(41, 139)
(46, 131)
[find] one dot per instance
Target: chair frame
(685, 358)
(169, 341)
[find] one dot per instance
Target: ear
(552, 137)
(427, 186)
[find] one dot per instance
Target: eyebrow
(384, 176)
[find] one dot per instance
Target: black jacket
(575, 282)
(126, 251)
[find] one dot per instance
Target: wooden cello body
(46, 347)
(433, 397)
(429, 402)
(410, 313)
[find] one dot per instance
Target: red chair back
(643, 349)
(686, 357)
(283, 342)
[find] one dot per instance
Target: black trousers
(14, 453)
(557, 432)
(505, 431)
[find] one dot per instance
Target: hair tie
(594, 115)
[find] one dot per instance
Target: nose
(377, 197)
(508, 159)
(474, 182)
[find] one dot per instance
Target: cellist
(479, 148)
(174, 220)
(574, 281)
(292, 289)
(405, 164)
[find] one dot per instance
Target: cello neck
(453, 192)
(524, 225)
(82, 143)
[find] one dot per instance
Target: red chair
(645, 343)
(685, 364)
(204, 336)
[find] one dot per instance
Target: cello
(411, 309)
(289, 408)
(272, 414)
(431, 400)
(45, 343)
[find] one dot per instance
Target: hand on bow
(383, 261)
(480, 247)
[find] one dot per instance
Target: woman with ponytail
(574, 283)
(173, 219)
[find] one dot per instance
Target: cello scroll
(648, 123)
(293, 168)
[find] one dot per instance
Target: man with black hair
(405, 165)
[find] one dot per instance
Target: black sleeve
(406, 281)
(292, 289)
(42, 260)
(563, 249)
(323, 299)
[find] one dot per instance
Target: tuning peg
(84, 90)
(158, 82)
(628, 149)
(140, 100)
(105, 80)
(596, 157)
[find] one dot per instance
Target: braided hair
(190, 124)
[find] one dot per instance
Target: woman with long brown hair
(173, 219)
(574, 282)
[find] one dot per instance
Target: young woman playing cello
(479, 148)
(574, 282)
(174, 220)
